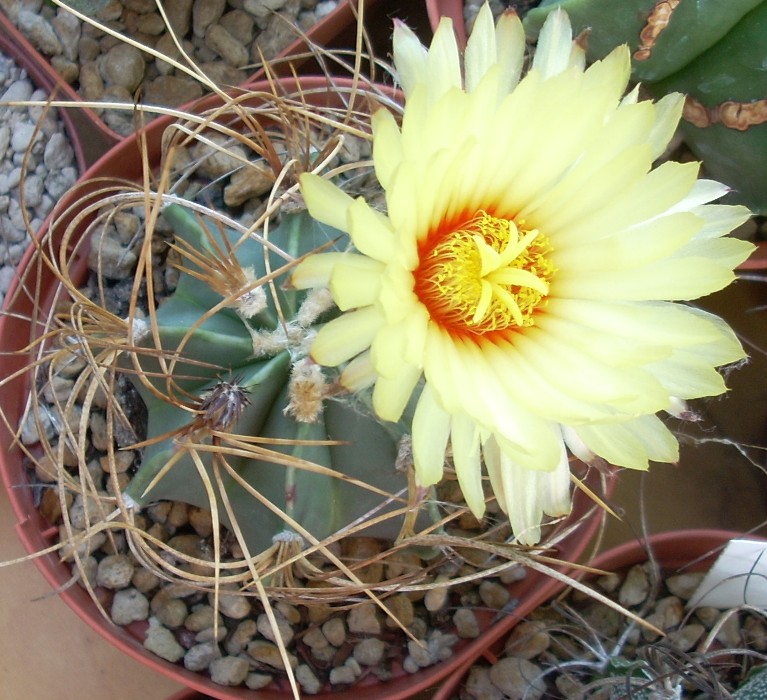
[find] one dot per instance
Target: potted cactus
(310, 377)
(284, 490)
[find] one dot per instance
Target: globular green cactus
(232, 376)
(712, 51)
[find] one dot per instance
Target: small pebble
(235, 607)
(115, 571)
(493, 594)
(228, 670)
(687, 637)
(129, 605)
(257, 681)
(200, 656)
(342, 675)
(369, 652)
(436, 598)
(202, 617)
(160, 640)
(307, 679)
(527, 640)
(518, 679)
(684, 585)
(480, 687)
(267, 653)
(334, 630)
(240, 637)
(285, 631)
(635, 588)
(363, 619)
(466, 623)
(172, 612)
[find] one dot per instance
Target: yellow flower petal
(491, 454)
(649, 197)
(346, 336)
(387, 146)
(410, 58)
(625, 389)
(443, 64)
(355, 281)
(661, 323)
(528, 386)
(510, 50)
(325, 201)
(640, 245)
(680, 278)
(687, 376)
(481, 52)
(400, 343)
(631, 444)
(727, 253)
(720, 220)
(552, 55)
(523, 502)
(464, 439)
(554, 486)
(668, 111)
(359, 374)
(493, 409)
(370, 231)
(391, 394)
(315, 271)
(431, 429)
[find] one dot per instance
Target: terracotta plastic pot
(673, 550)
(124, 162)
(337, 30)
(757, 260)
(448, 8)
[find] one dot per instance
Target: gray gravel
(225, 39)
(51, 168)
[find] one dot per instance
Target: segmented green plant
(239, 419)
(712, 51)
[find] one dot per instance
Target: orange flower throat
(486, 275)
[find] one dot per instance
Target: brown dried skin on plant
(734, 115)
(656, 22)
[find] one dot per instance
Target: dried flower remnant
(522, 284)
(222, 406)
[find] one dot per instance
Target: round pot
(123, 162)
(673, 550)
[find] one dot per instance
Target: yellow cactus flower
(524, 281)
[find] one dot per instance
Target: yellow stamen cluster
(486, 275)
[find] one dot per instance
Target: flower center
(486, 275)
